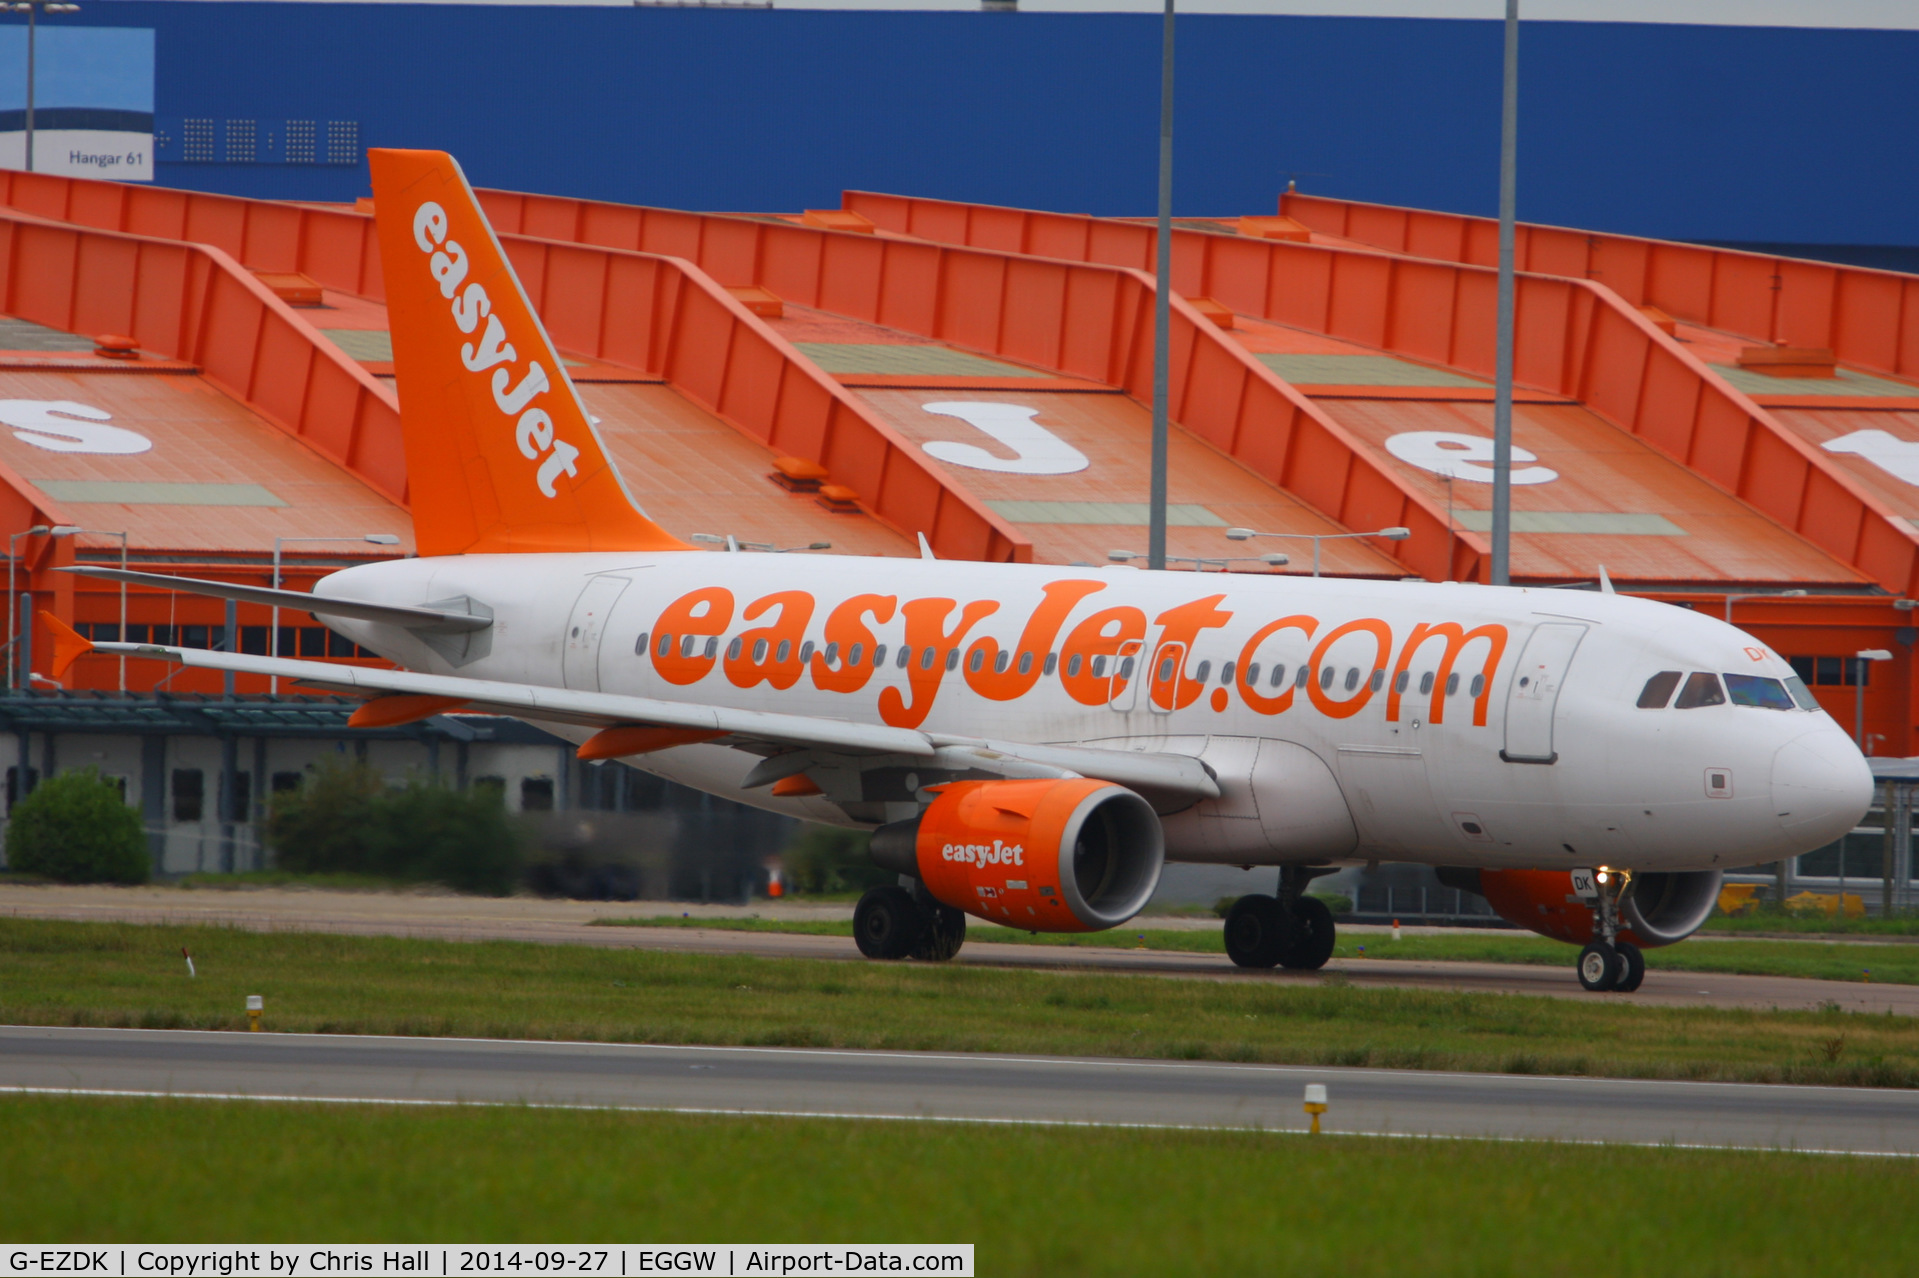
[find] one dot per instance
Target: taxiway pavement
(942, 1086)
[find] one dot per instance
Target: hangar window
(189, 793)
(285, 781)
(1832, 672)
(239, 798)
(536, 794)
(253, 640)
(1756, 690)
(1702, 689)
(1658, 690)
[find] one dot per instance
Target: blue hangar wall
(1718, 133)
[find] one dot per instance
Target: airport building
(202, 384)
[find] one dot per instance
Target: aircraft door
(580, 664)
(1125, 687)
(1169, 671)
(1534, 693)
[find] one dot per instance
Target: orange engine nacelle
(1660, 908)
(1070, 855)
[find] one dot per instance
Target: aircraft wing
(795, 734)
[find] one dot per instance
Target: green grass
(1786, 922)
(1817, 960)
(1032, 1201)
(60, 973)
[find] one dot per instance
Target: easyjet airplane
(1028, 743)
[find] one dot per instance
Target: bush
(346, 821)
(74, 828)
(830, 858)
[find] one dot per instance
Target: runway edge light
(257, 1005)
(1315, 1103)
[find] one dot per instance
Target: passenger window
(1426, 682)
(1756, 690)
(1658, 690)
(1801, 693)
(1701, 689)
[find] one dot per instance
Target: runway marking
(1064, 1062)
(921, 1118)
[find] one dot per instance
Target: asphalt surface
(906, 1085)
(465, 918)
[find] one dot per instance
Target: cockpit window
(1658, 690)
(1702, 689)
(1756, 690)
(1801, 693)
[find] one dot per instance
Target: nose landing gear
(1608, 963)
(1291, 930)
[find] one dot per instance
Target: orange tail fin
(68, 646)
(500, 453)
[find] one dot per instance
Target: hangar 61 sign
(62, 426)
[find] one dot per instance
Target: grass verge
(111, 974)
(1033, 1201)
(1817, 960)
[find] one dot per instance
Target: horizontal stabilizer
(434, 619)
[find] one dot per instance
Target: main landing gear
(1289, 930)
(896, 922)
(1608, 963)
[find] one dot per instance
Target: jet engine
(1658, 909)
(1056, 855)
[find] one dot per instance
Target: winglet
(68, 644)
(926, 549)
(1605, 582)
(501, 455)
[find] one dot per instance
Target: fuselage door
(580, 666)
(1534, 692)
(1169, 670)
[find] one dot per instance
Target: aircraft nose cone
(1821, 786)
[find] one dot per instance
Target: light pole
(273, 630)
(1385, 534)
(32, 9)
(1503, 336)
(1859, 669)
(1162, 304)
(1762, 594)
(13, 600)
(1199, 563)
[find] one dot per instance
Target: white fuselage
(1443, 723)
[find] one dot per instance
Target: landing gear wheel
(1259, 931)
(1632, 968)
(887, 923)
(942, 932)
(1312, 936)
(1599, 967)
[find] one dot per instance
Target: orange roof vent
(839, 499)
(116, 346)
(762, 302)
(291, 287)
(1660, 320)
(1275, 228)
(1220, 314)
(797, 475)
(837, 220)
(1789, 361)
